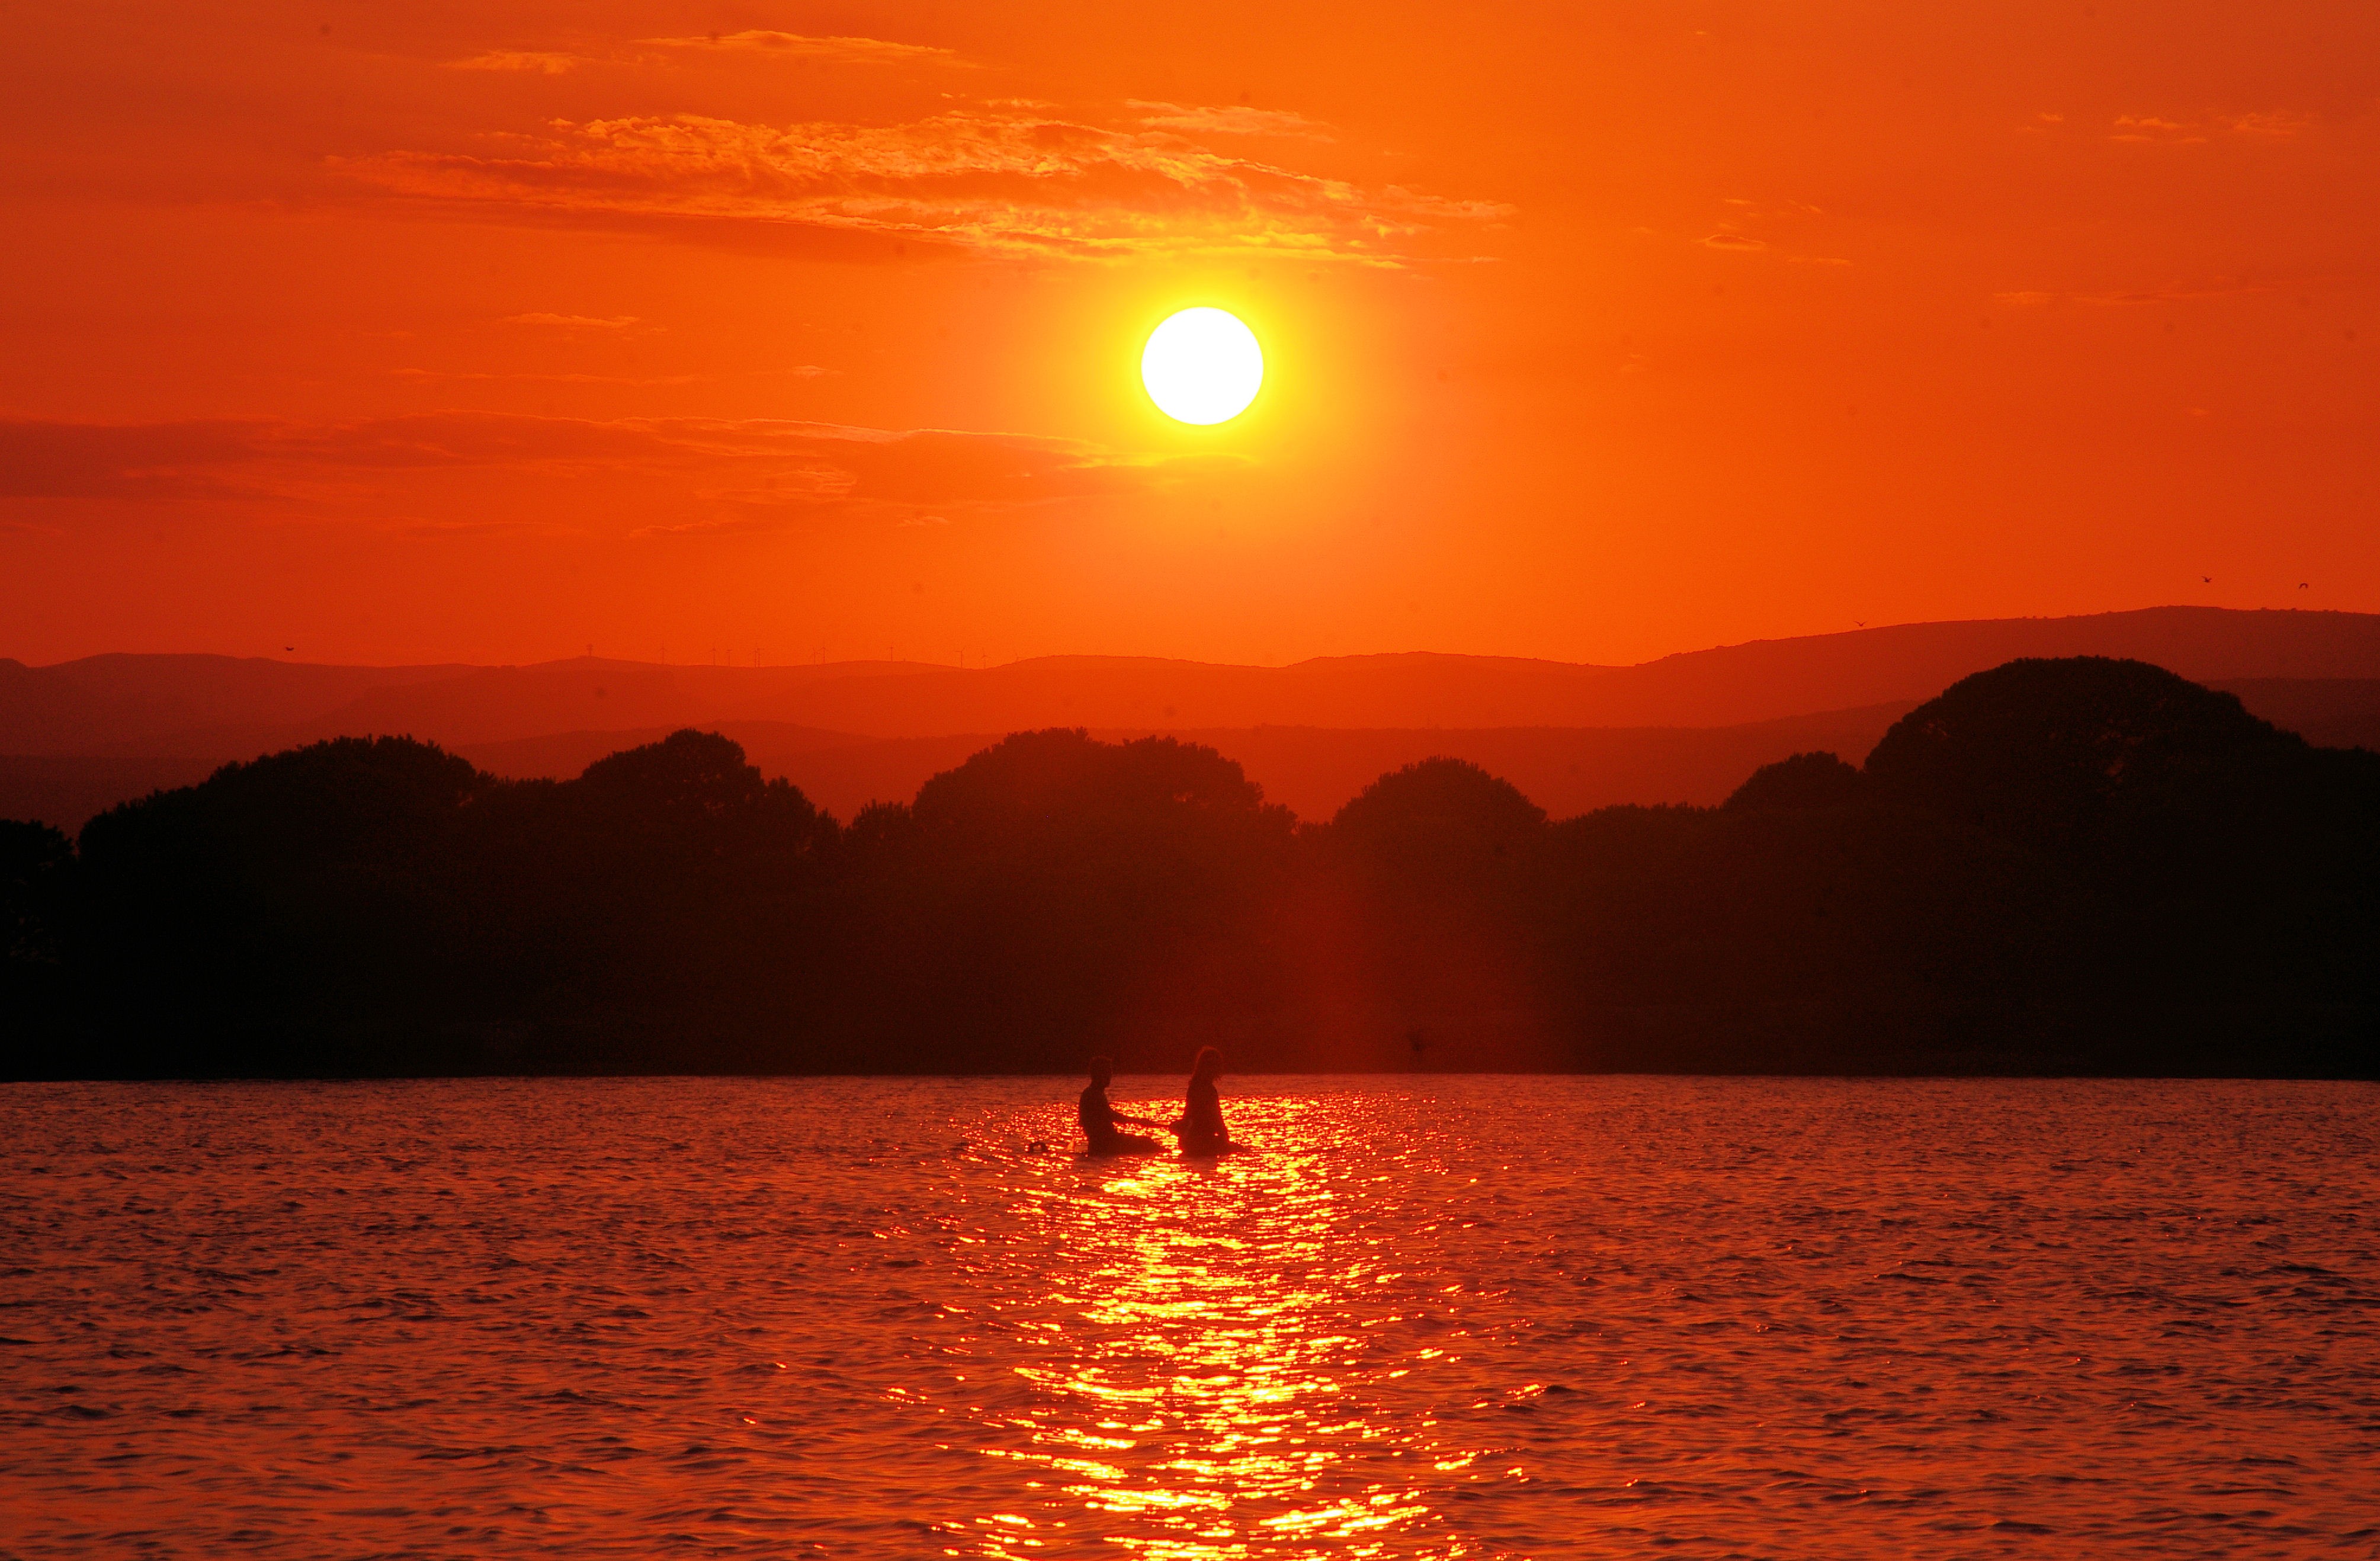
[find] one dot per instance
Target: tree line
(2078, 865)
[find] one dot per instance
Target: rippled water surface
(1479, 1317)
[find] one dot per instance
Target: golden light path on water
(1429, 1318)
(1201, 1360)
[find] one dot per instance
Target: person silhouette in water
(1100, 1118)
(1201, 1128)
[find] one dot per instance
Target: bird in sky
(2302, 586)
(2207, 579)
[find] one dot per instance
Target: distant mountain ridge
(1312, 735)
(221, 707)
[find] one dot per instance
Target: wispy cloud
(578, 322)
(825, 51)
(1750, 224)
(2149, 128)
(2155, 129)
(746, 466)
(793, 47)
(1236, 120)
(470, 374)
(2275, 125)
(537, 62)
(164, 461)
(1010, 184)
(2168, 292)
(448, 530)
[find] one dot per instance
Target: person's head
(1209, 1065)
(1102, 1071)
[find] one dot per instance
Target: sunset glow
(495, 332)
(1189, 781)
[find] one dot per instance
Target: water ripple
(1425, 1318)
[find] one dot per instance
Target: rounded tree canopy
(368, 795)
(1804, 781)
(1437, 809)
(686, 773)
(1031, 779)
(2041, 741)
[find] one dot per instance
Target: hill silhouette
(1682, 730)
(776, 747)
(163, 706)
(66, 792)
(2059, 865)
(1312, 770)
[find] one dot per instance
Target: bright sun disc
(1202, 366)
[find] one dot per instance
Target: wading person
(1100, 1118)
(1201, 1127)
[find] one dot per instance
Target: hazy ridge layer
(82, 736)
(210, 706)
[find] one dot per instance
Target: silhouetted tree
(37, 882)
(36, 864)
(1040, 897)
(2210, 870)
(2036, 748)
(1433, 874)
(307, 893)
(2062, 865)
(1804, 781)
(672, 899)
(1437, 816)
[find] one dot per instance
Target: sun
(1202, 366)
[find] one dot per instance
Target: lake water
(1429, 1317)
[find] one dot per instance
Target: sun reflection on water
(1202, 1361)
(1436, 1317)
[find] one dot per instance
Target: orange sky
(491, 331)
